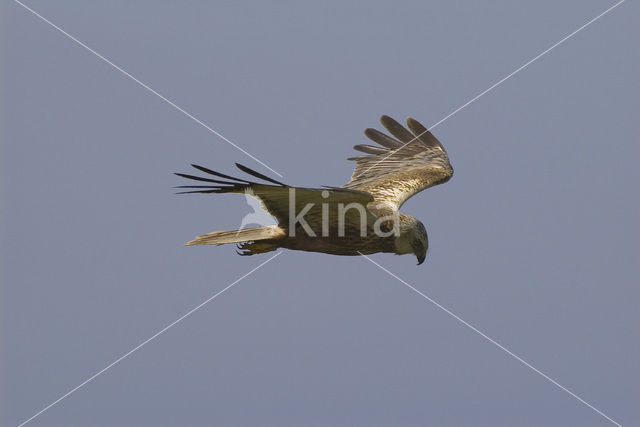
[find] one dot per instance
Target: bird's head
(420, 242)
(412, 239)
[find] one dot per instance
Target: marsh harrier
(361, 217)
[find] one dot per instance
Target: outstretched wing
(402, 166)
(281, 200)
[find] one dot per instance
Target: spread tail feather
(238, 236)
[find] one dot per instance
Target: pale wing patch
(409, 163)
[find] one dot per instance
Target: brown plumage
(360, 217)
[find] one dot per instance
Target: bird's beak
(421, 258)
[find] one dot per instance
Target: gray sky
(534, 241)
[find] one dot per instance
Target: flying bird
(360, 217)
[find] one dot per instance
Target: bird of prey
(361, 217)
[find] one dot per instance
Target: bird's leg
(243, 249)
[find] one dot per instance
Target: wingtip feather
(250, 171)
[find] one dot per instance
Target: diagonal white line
(168, 101)
(184, 316)
(491, 340)
(493, 86)
(527, 64)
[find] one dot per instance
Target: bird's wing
(402, 166)
(281, 200)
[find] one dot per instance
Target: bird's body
(361, 217)
(352, 243)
